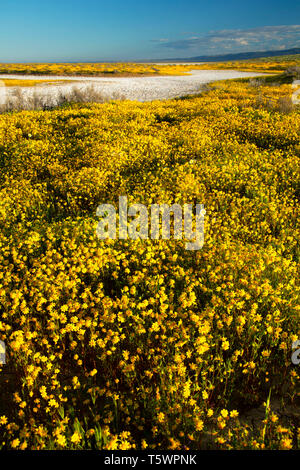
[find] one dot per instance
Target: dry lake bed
(133, 88)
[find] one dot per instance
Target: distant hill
(229, 57)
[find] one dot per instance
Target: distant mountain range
(238, 56)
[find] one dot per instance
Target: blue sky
(73, 30)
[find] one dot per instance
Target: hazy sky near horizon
(90, 30)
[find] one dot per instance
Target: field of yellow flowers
(272, 65)
(125, 344)
(265, 64)
(96, 69)
(11, 82)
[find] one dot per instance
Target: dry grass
(18, 100)
(282, 105)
